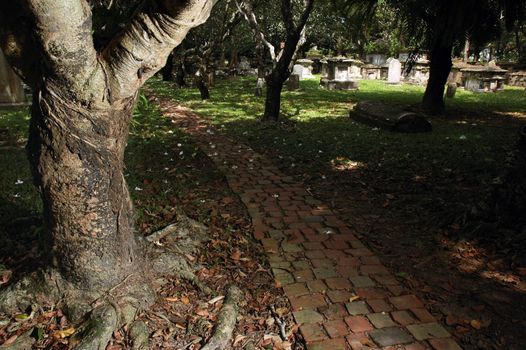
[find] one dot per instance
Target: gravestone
(394, 72)
(293, 83)
(297, 69)
(260, 84)
(391, 117)
(306, 72)
(340, 73)
(451, 90)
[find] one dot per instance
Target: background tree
(294, 15)
(85, 79)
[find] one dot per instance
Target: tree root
(189, 233)
(226, 321)
(168, 263)
(139, 335)
(97, 331)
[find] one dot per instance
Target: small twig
(282, 324)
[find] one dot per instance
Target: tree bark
(439, 67)
(273, 97)
(77, 160)
(167, 71)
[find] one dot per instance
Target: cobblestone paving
(341, 294)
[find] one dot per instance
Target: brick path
(341, 294)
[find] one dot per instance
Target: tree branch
(63, 29)
(142, 49)
(245, 8)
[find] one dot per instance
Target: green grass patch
(316, 138)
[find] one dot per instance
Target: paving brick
(284, 278)
(423, 315)
(303, 275)
(379, 305)
(307, 316)
(336, 328)
(338, 283)
(358, 324)
(330, 244)
(321, 262)
(373, 269)
(416, 346)
(444, 344)
(403, 318)
(346, 271)
(315, 254)
(317, 286)
(357, 308)
(390, 336)
(360, 341)
(362, 281)
(312, 332)
(295, 289)
(291, 248)
(427, 331)
(349, 261)
(313, 245)
(406, 302)
(280, 264)
(370, 260)
(330, 344)
(385, 279)
(324, 272)
(334, 311)
(310, 301)
(371, 293)
(339, 296)
(381, 320)
(301, 265)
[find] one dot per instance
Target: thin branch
(245, 8)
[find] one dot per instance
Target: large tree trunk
(77, 159)
(273, 97)
(439, 68)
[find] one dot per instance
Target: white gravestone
(395, 71)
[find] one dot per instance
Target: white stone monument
(395, 71)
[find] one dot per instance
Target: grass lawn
(316, 138)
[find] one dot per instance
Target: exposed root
(172, 264)
(139, 335)
(97, 331)
(226, 321)
(188, 232)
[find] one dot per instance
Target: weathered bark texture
(11, 90)
(82, 107)
(439, 68)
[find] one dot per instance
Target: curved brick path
(316, 258)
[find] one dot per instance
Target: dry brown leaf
(5, 276)
(185, 300)
(172, 299)
(239, 338)
(64, 333)
(202, 312)
(367, 342)
(354, 298)
(10, 340)
(236, 255)
(476, 324)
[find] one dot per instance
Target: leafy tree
(294, 15)
(85, 78)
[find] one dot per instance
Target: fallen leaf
(367, 342)
(354, 298)
(476, 324)
(172, 299)
(5, 276)
(236, 255)
(451, 320)
(239, 338)
(282, 311)
(185, 300)
(216, 299)
(64, 333)
(202, 312)
(10, 340)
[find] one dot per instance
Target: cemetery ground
(415, 199)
